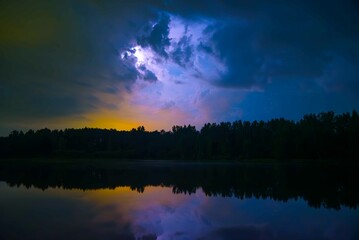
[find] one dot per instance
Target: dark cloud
(261, 42)
(157, 36)
(341, 75)
(183, 52)
(147, 75)
(282, 41)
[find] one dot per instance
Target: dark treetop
(325, 136)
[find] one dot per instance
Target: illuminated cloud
(183, 72)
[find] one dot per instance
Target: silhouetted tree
(315, 136)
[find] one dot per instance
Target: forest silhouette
(322, 136)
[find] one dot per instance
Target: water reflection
(157, 213)
(328, 186)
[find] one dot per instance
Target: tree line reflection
(328, 186)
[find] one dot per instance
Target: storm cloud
(63, 59)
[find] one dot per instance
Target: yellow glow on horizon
(129, 115)
(121, 119)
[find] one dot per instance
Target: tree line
(316, 136)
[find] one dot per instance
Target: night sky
(121, 64)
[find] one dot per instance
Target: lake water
(178, 201)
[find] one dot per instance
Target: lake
(174, 200)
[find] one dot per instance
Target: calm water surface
(168, 210)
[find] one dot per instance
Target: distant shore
(316, 137)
